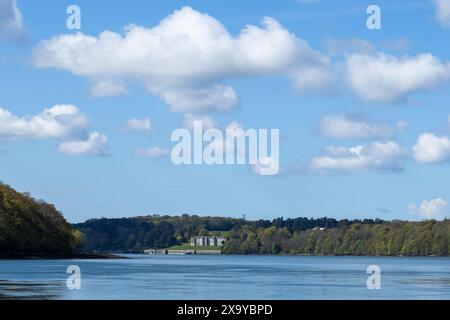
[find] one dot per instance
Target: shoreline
(116, 256)
(295, 255)
(76, 256)
(339, 255)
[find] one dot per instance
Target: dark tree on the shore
(33, 228)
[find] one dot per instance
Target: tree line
(309, 236)
(155, 231)
(385, 239)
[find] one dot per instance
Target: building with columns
(207, 241)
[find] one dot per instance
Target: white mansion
(207, 241)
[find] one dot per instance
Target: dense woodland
(155, 231)
(29, 227)
(322, 236)
(385, 239)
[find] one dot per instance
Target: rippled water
(228, 277)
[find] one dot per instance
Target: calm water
(228, 277)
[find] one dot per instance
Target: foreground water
(228, 277)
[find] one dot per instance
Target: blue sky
(390, 150)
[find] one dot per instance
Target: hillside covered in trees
(31, 228)
(322, 236)
(397, 238)
(134, 234)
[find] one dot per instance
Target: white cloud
(347, 46)
(11, 24)
(108, 87)
(236, 127)
(402, 125)
(386, 156)
(207, 121)
(431, 149)
(59, 121)
(357, 127)
(443, 11)
(400, 44)
(385, 78)
(265, 165)
(137, 125)
(151, 153)
(186, 59)
(225, 148)
(215, 98)
(314, 78)
(431, 209)
(95, 144)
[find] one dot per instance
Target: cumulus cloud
(265, 165)
(431, 149)
(379, 155)
(59, 121)
(137, 125)
(215, 98)
(225, 148)
(186, 59)
(431, 209)
(153, 153)
(11, 24)
(400, 44)
(207, 121)
(95, 145)
(312, 79)
(346, 46)
(385, 78)
(108, 87)
(350, 126)
(443, 11)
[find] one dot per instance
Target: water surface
(228, 277)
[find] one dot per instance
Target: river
(197, 277)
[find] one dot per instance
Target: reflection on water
(436, 281)
(28, 290)
(227, 277)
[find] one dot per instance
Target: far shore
(124, 255)
(75, 256)
(191, 252)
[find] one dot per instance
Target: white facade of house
(207, 241)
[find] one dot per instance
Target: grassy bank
(188, 247)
